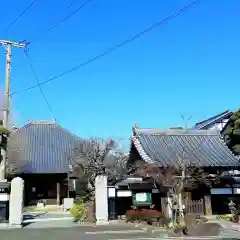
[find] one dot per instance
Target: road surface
(86, 233)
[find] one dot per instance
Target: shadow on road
(28, 217)
(33, 216)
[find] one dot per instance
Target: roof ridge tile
(157, 131)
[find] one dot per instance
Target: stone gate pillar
(101, 200)
(16, 203)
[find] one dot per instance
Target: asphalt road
(87, 233)
(76, 233)
(54, 226)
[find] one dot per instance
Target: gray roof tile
(198, 147)
(40, 147)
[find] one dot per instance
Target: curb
(45, 212)
(46, 219)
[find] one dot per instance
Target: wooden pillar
(58, 193)
(208, 205)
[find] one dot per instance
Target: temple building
(201, 148)
(40, 153)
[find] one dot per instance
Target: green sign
(142, 198)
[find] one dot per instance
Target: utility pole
(183, 174)
(8, 46)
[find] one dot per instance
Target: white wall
(219, 126)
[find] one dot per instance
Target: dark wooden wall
(46, 188)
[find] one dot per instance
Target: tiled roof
(208, 122)
(40, 147)
(198, 147)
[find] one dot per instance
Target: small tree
(174, 180)
(98, 157)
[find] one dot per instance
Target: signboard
(126, 193)
(142, 199)
(219, 191)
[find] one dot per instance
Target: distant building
(40, 153)
(217, 122)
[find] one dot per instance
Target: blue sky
(189, 66)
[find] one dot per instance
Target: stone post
(101, 200)
(166, 207)
(208, 205)
(58, 193)
(16, 203)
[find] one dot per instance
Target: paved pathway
(47, 220)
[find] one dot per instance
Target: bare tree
(98, 156)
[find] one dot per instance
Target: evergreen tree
(233, 133)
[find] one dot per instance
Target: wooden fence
(194, 207)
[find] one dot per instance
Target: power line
(70, 5)
(10, 25)
(138, 35)
(60, 22)
(38, 83)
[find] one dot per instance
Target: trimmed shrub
(142, 215)
(228, 217)
(132, 215)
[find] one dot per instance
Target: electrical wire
(11, 24)
(138, 35)
(60, 22)
(40, 88)
(70, 5)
